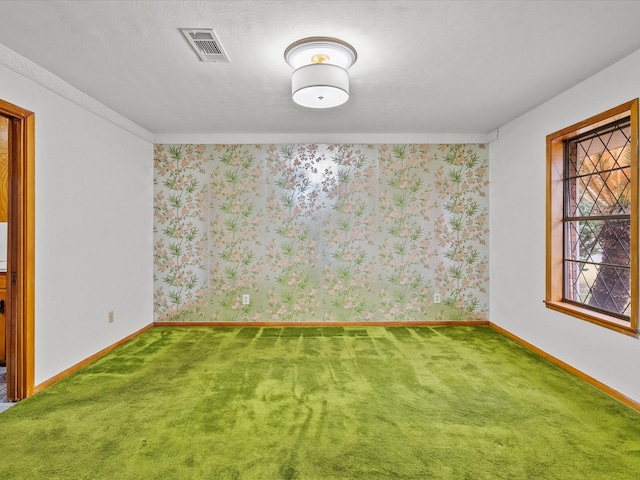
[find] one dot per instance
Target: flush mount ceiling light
(320, 78)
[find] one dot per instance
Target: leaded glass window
(597, 219)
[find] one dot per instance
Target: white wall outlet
(111, 316)
(436, 298)
(246, 299)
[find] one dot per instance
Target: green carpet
(320, 403)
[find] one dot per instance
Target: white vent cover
(205, 44)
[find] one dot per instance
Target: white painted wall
(94, 212)
(517, 222)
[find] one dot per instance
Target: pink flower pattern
(348, 231)
(293, 207)
(178, 229)
(320, 232)
(462, 231)
(405, 246)
(235, 233)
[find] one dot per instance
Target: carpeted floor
(320, 403)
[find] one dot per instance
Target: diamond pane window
(597, 219)
(592, 220)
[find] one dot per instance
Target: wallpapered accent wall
(321, 232)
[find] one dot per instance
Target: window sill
(601, 319)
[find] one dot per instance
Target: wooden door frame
(20, 252)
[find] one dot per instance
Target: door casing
(20, 317)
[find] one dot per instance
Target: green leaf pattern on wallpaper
(179, 236)
(349, 229)
(320, 232)
(235, 232)
(405, 249)
(292, 209)
(462, 232)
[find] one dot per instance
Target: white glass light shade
(320, 85)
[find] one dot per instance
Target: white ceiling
(424, 67)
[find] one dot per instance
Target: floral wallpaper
(336, 233)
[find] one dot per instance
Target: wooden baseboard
(592, 381)
(88, 360)
(324, 324)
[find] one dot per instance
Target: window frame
(555, 242)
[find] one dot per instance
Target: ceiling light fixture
(320, 78)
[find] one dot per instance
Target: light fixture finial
(320, 58)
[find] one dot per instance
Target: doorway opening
(20, 262)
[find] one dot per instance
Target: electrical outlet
(246, 299)
(111, 316)
(436, 298)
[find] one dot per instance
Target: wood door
(4, 168)
(3, 327)
(4, 215)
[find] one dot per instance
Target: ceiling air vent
(205, 44)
